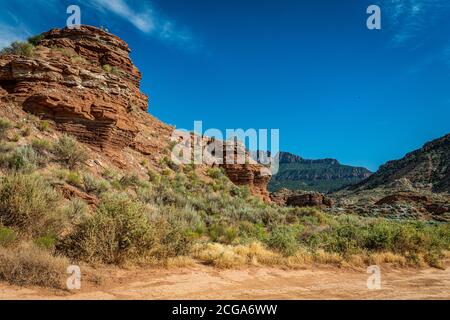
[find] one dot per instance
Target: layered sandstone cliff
(84, 81)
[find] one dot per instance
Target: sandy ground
(202, 282)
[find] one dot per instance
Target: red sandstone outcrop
(285, 197)
(84, 80)
(403, 197)
(66, 81)
(433, 206)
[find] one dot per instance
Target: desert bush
(69, 152)
(27, 203)
(92, 184)
(7, 236)
(19, 48)
(74, 179)
(78, 59)
(29, 265)
(44, 126)
(130, 180)
(109, 173)
(23, 158)
(284, 240)
(76, 210)
(5, 125)
(35, 40)
(215, 173)
(107, 68)
(46, 242)
(119, 231)
(42, 146)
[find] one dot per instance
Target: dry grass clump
(227, 256)
(29, 265)
(221, 256)
(380, 258)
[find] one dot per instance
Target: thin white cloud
(10, 34)
(147, 20)
(144, 21)
(409, 20)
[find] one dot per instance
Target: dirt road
(201, 282)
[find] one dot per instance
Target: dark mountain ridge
(323, 175)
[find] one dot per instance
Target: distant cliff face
(324, 175)
(427, 168)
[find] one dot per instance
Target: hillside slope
(425, 168)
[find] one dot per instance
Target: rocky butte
(84, 82)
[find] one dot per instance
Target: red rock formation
(253, 175)
(403, 197)
(286, 197)
(84, 81)
(423, 202)
(66, 81)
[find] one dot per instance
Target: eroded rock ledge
(84, 80)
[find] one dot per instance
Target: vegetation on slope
(171, 213)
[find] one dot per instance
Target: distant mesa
(322, 175)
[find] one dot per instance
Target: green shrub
(107, 68)
(92, 184)
(78, 59)
(284, 240)
(74, 179)
(122, 231)
(44, 126)
(76, 210)
(109, 174)
(215, 173)
(27, 203)
(23, 158)
(153, 176)
(19, 48)
(116, 71)
(69, 152)
(130, 180)
(5, 125)
(119, 231)
(35, 40)
(42, 146)
(7, 236)
(46, 242)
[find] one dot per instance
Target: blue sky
(309, 68)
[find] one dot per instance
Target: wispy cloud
(9, 34)
(143, 20)
(14, 31)
(409, 20)
(146, 19)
